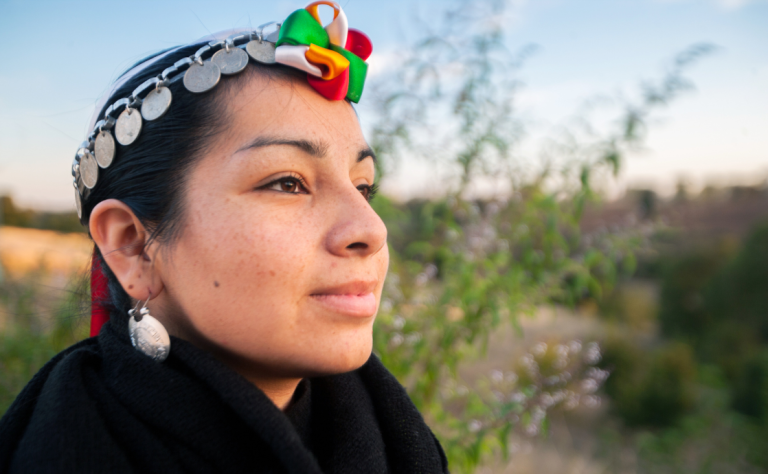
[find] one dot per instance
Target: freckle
(216, 284)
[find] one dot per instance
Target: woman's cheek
(382, 259)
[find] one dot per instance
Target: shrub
(682, 310)
(650, 388)
(669, 386)
(750, 392)
(738, 293)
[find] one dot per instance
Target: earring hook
(141, 312)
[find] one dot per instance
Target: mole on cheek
(216, 283)
(130, 287)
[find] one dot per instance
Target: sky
(59, 57)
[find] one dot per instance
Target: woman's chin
(338, 357)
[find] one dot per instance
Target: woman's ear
(122, 240)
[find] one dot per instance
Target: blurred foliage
(683, 313)
(454, 278)
(503, 236)
(487, 412)
(716, 300)
(699, 397)
(750, 392)
(711, 439)
(737, 294)
(632, 305)
(650, 387)
(11, 215)
(37, 326)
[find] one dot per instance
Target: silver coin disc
(261, 51)
(230, 62)
(156, 104)
(78, 204)
(150, 337)
(203, 78)
(128, 126)
(104, 148)
(89, 170)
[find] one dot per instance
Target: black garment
(102, 406)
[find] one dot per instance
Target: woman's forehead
(292, 108)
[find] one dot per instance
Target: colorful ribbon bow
(333, 57)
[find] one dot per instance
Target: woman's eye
(368, 190)
(287, 185)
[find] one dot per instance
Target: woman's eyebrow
(365, 153)
(313, 148)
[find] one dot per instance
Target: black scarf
(102, 406)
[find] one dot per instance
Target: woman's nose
(357, 230)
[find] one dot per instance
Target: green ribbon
(358, 69)
(301, 28)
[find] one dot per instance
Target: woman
(239, 265)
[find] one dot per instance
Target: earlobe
(122, 240)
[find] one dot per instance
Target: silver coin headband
(200, 73)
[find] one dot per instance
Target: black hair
(149, 175)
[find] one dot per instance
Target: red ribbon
(99, 295)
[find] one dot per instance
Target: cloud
(733, 4)
(382, 62)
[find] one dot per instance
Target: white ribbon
(337, 29)
(295, 56)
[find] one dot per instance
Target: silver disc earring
(148, 335)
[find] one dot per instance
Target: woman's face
(280, 266)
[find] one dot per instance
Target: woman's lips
(360, 305)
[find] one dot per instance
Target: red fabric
(332, 89)
(99, 295)
(359, 43)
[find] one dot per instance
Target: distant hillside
(713, 214)
(11, 215)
